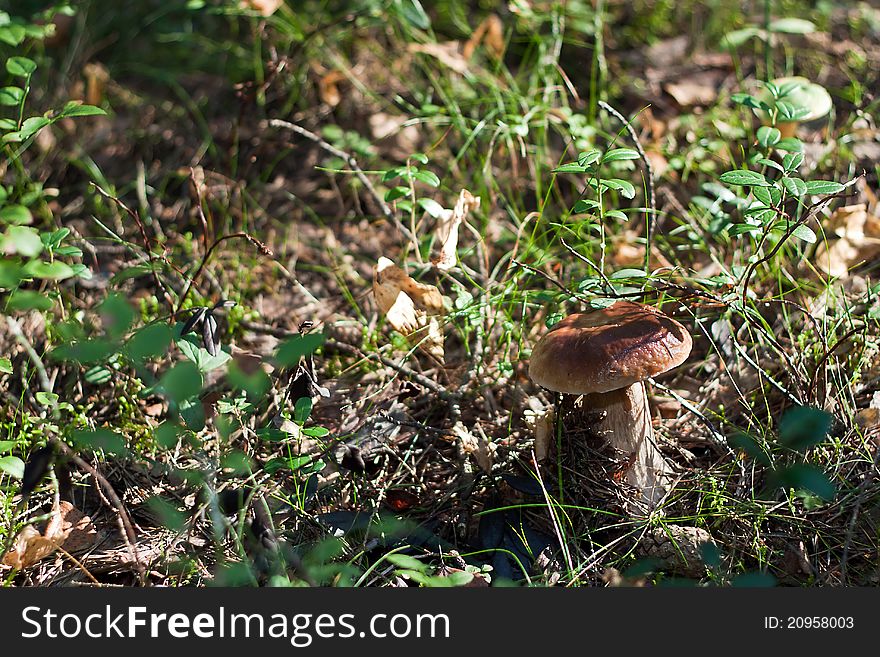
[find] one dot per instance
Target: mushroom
(605, 355)
(810, 101)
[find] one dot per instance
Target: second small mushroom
(606, 355)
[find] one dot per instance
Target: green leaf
(570, 167)
(806, 477)
(750, 446)
(397, 192)
(589, 158)
(11, 272)
(31, 126)
(20, 66)
(302, 409)
(791, 144)
(193, 413)
(168, 434)
(100, 439)
(744, 177)
(625, 187)
(802, 427)
(427, 177)
(48, 399)
(407, 562)
(118, 315)
(13, 466)
(736, 38)
(237, 461)
(16, 215)
(769, 196)
(181, 382)
(432, 207)
(804, 233)
(12, 34)
(24, 240)
(291, 350)
(76, 108)
(824, 187)
(794, 186)
(628, 273)
(414, 13)
(11, 96)
(51, 271)
(768, 136)
(792, 26)
(28, 300)
(585, 205)
(746, 100)
(791, 161)
(200, 356)
(5, 366)
(95, 350)
(741, 229)
(149, 342)
(617, 154)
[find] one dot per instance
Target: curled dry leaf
(328, 88)
(264, 7)
(447, 229)
(541, 421)
(491, 33)
(858, 234)
(480, 447)
(68, 528)
(412, 308)
(97, 78)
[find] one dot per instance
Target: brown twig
(126, 527)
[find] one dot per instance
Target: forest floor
(290, 163)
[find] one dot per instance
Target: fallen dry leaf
(448, 53)
(479, 447)
(97, 78)
(68, 528)
(328, 89)
(858, 234)
(447, 229)
(491, 33)
(541, 422)
(412, 308)
(265, 7)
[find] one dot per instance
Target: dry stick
(79, 565)
(146, 240)
(358, 172)
(126, 526)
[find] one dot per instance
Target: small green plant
(29, 254)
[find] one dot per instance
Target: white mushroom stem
(627, 428)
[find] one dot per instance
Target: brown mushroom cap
(608, 349)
